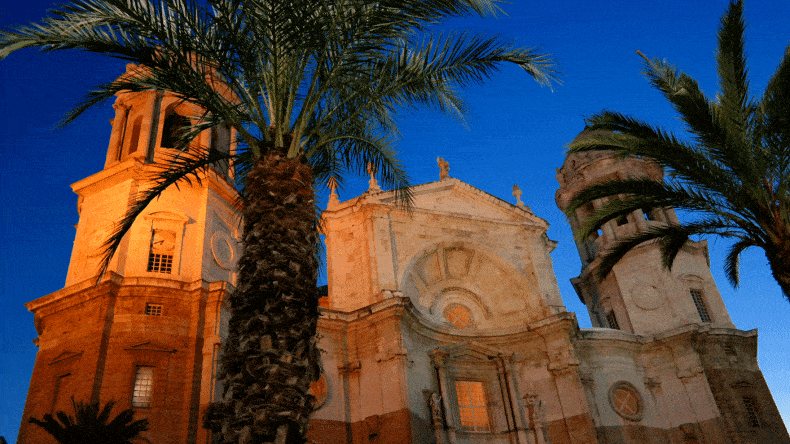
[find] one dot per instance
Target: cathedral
(440, 325)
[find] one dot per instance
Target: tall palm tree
(733, 174)
(90, 425)
(311, 88)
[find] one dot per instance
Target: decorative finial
(333, 200)
(444, 168)
(373, 183)
(517, 195)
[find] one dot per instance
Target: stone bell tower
(147, 336)
(639, 295)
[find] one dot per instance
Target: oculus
(626, 401)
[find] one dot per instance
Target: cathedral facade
(440, 325)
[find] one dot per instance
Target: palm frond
(624, 196)
(731, 262)
(731, 64)
(626, 136)
(670, 237)
(773, 131)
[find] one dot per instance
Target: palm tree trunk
(270, 355)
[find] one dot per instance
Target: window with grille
(612, 320)
(472, 405)
(143, 387)
(161, 263)
(153, 309)
(700, 303)
(160, 255)
(752, 414)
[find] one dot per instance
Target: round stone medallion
(222, 249)
(646, 297)
(626, 401)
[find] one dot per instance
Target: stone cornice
(117, 173)
(89, 289)
(398, 305)
(608, 334)
(136, 169)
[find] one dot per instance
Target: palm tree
(311, 88)
(734, 173)
(89, 425)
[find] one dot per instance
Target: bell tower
(186, 222)
(148, 335)
(639, 296)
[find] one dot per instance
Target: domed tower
(639, 296)
(148, 335)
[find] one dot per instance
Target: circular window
(626, 401)
(458, 315)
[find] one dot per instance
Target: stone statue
(444, 168)
(333, 197)
(373, 184)
(436, 408)
(537, 418)
(517, 195)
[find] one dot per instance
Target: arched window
(172, 128)
(134, 140)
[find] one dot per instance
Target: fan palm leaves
(91, 424)
(312, 89)
(733, 175)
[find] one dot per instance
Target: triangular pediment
(65, 356)
(743, 385)
(150, 347)
(452, 196)
(167, 216)
(469, 351)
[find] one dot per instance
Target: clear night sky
(515, 134)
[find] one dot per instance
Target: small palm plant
(90, 425)
(734, 174)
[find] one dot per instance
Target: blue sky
(514, 133)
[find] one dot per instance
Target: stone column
(383, 247)
(608, 231)
(641, 223)
(117, 135)
(589, 390)
(150, 126)
(672, 218)
(516, 412)
(233, 139)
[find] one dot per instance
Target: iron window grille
(143, 387)
(699, 302)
